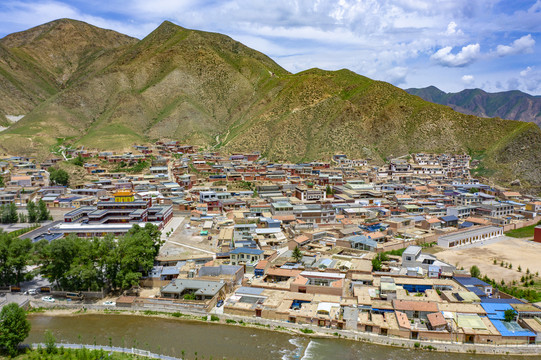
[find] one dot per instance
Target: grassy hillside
(209, 90)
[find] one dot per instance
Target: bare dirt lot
(515, 251)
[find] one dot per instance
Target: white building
(469, 236)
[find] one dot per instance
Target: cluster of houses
(300, 242)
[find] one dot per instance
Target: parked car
(31, 292)
(219, 303)
(47, 299)
(109, 303)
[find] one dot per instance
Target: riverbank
(309, 331)
(78, 352)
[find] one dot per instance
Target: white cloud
(531, 79)
(465, 56)
(452, 29)
(523, 45)
(397, 75)
(376, 38)
(23, 15)
(468, 80)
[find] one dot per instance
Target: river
(176, 337)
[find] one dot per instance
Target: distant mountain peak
(510, 105)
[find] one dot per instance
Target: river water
(181, 338)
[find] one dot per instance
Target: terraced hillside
(207, 89)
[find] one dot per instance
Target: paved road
(42, 230)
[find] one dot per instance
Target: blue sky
(452, 44)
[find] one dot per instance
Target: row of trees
(529, 294)
(35, 213)
(38, 212)
(73, 263)
(8, 214)
(77, 264)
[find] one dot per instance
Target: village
(415, 248)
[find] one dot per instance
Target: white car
(109, 303)
(48, 299)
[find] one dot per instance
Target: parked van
(74, 296)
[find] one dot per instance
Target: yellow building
(124, 196)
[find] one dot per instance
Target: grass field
(524, 232)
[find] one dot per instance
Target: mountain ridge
(212, 91)
(510, 105)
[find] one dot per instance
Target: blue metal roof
(362, 240)
(501, 301)
(510, 328)
(466, 224)
(48, 237)
(249, 290)
(464, 281)
(245, 250)
(496, 311)
(449, 218)
(170, 270)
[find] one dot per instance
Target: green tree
(79, 161)
(8, 214)
(50, 342)
(33, 215)
(1, 181)
(376, 264)
(329, 191)
(509, 315)
(15, 254)
(13, 216)
(297, 254)
(56, 258)
(43, 212)
(23, 218)
(14, 328)
(474, 271)
(58, 176)
(137, 250)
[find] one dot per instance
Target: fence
(133, 351)
(169, 308)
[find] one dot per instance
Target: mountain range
(511, 105)
(68, 82)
